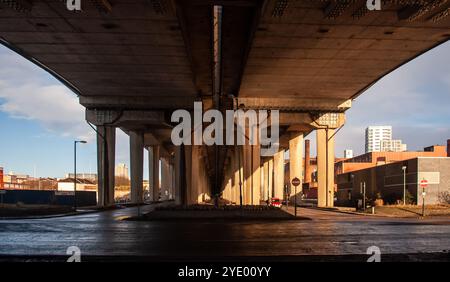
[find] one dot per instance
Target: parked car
(275, 202)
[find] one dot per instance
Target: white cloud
(413, 99)
(54, 107)
(28, 92)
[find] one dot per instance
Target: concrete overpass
(132, 63)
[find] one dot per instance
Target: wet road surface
(327, 233)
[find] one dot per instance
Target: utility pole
(75, 172)
(363, 191)
(404, 185)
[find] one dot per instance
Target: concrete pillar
(238, 175)
(325, 167)
(295, 161)
(177, 176)
(150, 172)
(278, 167)
(172, 178)
(264, 180)
(165, 179)
(188, 174)
(247, 168)
(307, 178)
(256, 175)
(270, 180)
(106, 150)
(136, 166)
(153, 167)
(196, 176)
(234, 185)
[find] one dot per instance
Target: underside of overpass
(132, 63)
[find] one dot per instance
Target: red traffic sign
(424, 183)
(295, 181)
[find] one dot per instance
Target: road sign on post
(423, 184)
(295, 182)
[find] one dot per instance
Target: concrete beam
(296, 104)
(118, 117)
(138, 102)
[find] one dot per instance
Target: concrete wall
(35, 197)
(438, 182)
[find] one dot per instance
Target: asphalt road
(326, 234)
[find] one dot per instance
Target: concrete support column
(325, 167)
(256, 175)
(196, 175)
(153, 166)
(238, 175)
(307, 177)
(278, 167)
(265, 180)
(270, 180)
(165, 179)
(136, 166)
(234, 185)
(172, 178)
(295, 160)
(177, 176)
(106, 151)
(247, 169)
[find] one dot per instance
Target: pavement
(327, 236)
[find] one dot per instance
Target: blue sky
(40, 118)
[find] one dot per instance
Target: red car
(275, 202)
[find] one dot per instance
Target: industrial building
(388, 182)
(373, 159)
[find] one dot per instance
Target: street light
(75, 172)
(404, 184)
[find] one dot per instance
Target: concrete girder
(138, 102)
(120, 117)
(295, 104)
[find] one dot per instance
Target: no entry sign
(424, 183)
(295, 181)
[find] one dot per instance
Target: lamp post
(363, 192)
(75, 172)
(404, 184)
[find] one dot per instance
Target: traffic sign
(424, 183)
(295, 181)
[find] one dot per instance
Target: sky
(40, 118)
